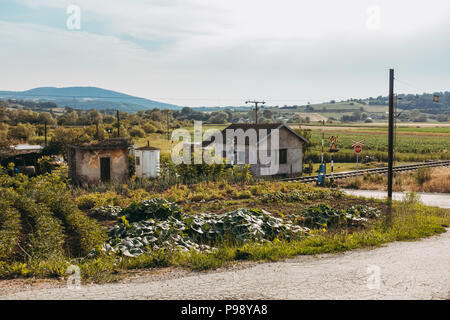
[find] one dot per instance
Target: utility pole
(167, 124)
(391, 134)
(256, 108)
(323, 139)
(118, 124)
(45, 132)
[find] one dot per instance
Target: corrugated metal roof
(147, 148)
(21, 147)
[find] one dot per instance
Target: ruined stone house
(105, 161)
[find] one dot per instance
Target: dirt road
(401, 270)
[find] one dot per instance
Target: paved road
(430, 199)
(407, 270)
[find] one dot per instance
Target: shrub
(155, 208)
(137, 132)
(323, 216)
(45, 237)
(45, 165)
(49, 193)
(10, 227)
(97, 199)
(106, 213)
(423, 175)
(149, 128)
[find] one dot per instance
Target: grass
(423, 180)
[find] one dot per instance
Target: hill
(87, 98)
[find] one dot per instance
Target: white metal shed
(147, 162)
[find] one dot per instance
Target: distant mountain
(87, 98)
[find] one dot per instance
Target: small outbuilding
(147, 161)
(24, 156)
(105, 161)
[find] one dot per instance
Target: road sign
(357, 146)
(333, 142)
(358, 143)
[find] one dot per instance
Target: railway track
(383, 170)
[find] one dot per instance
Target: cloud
(198, 52)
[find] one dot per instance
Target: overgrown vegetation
(40, 222)
(43, 230)
(422, 180)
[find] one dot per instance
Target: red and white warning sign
(357, 145)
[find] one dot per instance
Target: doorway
(105, 169)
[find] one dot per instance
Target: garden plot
(159, 224)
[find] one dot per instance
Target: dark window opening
(283, 156)
(138, 161)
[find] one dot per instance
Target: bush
(97, 199)
(45, 237)
(323, 216)
(106, 213)
(137, 132)
(155, 208)
(149, 128)
(45, 200)
(423, 175)
(45, 165)
(10, 227)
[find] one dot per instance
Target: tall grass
(427, 180)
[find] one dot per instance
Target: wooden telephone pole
(45, 132)
(256, 108)
(168, 124)
(391, 134)
(118, 124)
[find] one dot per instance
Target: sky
(221, 53)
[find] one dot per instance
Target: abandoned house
(288, 153)
(105, 161)
(24, 156)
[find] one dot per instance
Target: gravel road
(400, 270)
(441, 200)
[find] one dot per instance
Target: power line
(410, 85)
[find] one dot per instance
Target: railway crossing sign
(357, 146)
(333, 142)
